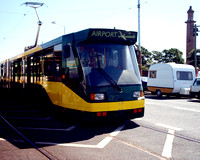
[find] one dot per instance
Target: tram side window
(58, 63)
(4, 70)
(16, 71)
(11, 70)
(48, 65)
(1, 70)
(53, 65)
(1, 73)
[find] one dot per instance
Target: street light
(139, 45)
(54, 22)
(195, 34)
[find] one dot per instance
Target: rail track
(22, 115)
(42, 151)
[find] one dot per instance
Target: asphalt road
(169, 130)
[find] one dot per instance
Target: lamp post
(54, 22)
(195, 34)
(139, 45)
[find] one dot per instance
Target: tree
(170, 55)
(190, 58)
(149, 58)
(157, 56)
(173, 55)
(146, 59)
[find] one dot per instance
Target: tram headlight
(136, 94)
(97, 96)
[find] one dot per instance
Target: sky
(162, 21)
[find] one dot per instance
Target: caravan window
(184, 75)
(152, 74)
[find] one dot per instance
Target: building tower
(190, 39)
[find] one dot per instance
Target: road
(169, 130)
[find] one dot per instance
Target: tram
(93, 72)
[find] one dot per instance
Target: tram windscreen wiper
(108, 78)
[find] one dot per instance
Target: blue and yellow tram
(94, 71)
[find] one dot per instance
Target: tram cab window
(110, 60)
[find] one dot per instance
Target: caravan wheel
(159, 93)
(198, 95)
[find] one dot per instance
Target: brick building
(190, 39)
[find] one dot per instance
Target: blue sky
(162, 21)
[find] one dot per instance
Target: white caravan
(170, 78)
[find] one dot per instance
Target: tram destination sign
(112, 36)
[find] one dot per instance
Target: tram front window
(105, 64)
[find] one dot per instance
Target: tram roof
(95, 35)
(91, 35)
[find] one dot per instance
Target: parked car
(195, 88)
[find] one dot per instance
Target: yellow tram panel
(63, 96)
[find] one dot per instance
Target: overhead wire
(8, 12)
(15, 26)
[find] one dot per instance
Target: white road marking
(167, 150)
(22, 111)
(144, 150)
(168, 127)
(2, 139)
(14, 140)
(50, 129)
(18, 140)
(104, 142)
(101, 144)
(116, 132)
(138, 119)
(68, 144)
(71, 128)
(146, 102)
(31, 118)
(187, 109)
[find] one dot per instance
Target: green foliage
(157, 56)
(170, 55)
(146, 59)
(191, 57)
(173, 55)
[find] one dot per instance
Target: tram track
(42, 151)
(166, 132)
(157, 130)
(142, 124)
